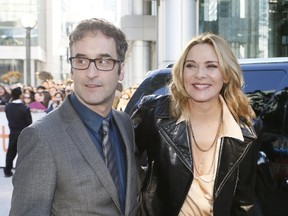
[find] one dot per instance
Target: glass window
(254, 28)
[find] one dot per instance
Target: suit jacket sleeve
(35, 179)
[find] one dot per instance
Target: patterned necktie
(108, 152)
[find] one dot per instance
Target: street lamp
(28, 22)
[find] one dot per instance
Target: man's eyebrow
(105, 55)
(80, 55)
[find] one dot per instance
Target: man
(18, 117)
(62, 167)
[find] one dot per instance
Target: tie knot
(105, 125)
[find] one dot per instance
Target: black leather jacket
(169, 173)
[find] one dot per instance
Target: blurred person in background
(46, 84)
(18, 116)
(40, 89)
(52, 90)
(4, 95)
(27, 88)
(47, 99)
(68, 89)
(57, 100)
(28, 98)
(37, 105)
(119, 89)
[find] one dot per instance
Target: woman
(28, 98)
(37, 105)
(198, 140)
(58, 98)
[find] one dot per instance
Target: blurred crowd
(50, 94)
(42, 98)
(122, 97)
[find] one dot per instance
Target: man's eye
(81, 61)
(104, 61)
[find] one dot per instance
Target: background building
(157, 31)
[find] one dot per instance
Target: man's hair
(92, 26)
(15, 93)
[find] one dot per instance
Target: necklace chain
(216, 136)
(210, 169)
(206, 150)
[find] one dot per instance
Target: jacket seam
(232, 170)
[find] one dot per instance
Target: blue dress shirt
(93, 123)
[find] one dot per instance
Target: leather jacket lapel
(234, 151)
(177, 136)
(178, 139)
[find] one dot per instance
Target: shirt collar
(88, 116)
(230, 127)
(17, 101)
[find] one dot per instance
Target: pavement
(6, 188)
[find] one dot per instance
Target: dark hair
(93, 25)
(16, 92)
(47, 98)
(41, 87)
(59, 93)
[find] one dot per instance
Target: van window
(265, 80)
(268, 91)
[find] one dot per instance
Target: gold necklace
(205, 150)
(216, 136)
(210, 169)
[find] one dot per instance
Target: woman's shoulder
(248, 130)
(156, 105)
(154, 101)
(36, 105)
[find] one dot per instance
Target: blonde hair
(236, 100)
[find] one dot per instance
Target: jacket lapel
(178, 138)
(78, 133)
(126, 131)
(232, 152)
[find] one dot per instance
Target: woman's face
(39, 96)
(58, 97)
(203, 79)
(27, 98)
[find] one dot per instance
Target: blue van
(266, 84)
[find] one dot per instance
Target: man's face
(95, 88)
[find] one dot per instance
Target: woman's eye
(212, 66)
(81, 61)
(188, 65)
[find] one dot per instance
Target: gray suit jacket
(60, 172)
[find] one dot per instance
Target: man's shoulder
(15, 106)
(56, 118)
